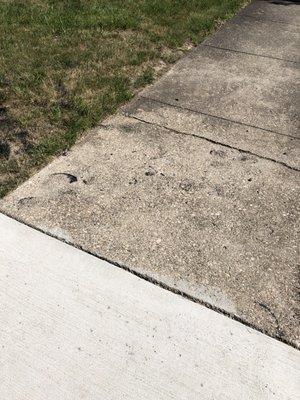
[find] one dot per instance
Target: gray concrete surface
(283, 11)
(256, 91)
(201, 193)
(280, 148)
(75, 327)
(209, 220)
(258, 37)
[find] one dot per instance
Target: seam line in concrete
(214, 142)
(216, 116)
(162, 285)
(250, 54)
(266, 20)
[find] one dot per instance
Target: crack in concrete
(215, 116)
(214, 142)
(162, 285)
(250, 54)
(279, 332)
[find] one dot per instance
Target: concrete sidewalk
(75, 327)
(196, 182)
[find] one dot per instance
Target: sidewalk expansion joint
(162, 285)
(214, 142)
(165, 103)
(250, 54)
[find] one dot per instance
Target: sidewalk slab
(210, 207)
(280, 148)
(284, 11)
(256, 91)
(75, 327)
(258, 37)
(211, 221)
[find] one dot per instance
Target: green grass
(66, 64)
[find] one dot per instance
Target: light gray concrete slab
(258, 37)
(256, 91)
(75, 327)
(211, 221)
(280, 148)
(284, 11)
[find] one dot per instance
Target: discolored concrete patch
(211, 221)
(243, 88)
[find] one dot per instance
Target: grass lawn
(66, 64)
